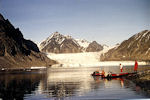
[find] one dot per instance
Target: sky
(106, 21)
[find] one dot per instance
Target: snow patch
(145, 34)
(138, 36)
(106, 49)
(83, 43)
(130, 44)
(147, 51)
(42, 67)
(148, 37)
(141, 35)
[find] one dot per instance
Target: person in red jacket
(121, 67)
(135, 66)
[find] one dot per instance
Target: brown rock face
(70, 46)
(94, 47)
(135, 48)
(17, 52)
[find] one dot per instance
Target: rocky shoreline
(21, 70)
(142, 79)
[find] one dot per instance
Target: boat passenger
(103, 72)
(109, 74)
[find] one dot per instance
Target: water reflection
(121, 85)
(98, 79)
(70, 83)
(65, 83)
(15, 86)
(79, 84)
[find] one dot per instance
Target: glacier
(86, 59)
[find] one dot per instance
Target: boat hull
(97, 74)
(116, 75)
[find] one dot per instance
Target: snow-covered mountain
(58, 43)
(83, 43)
(135, 48)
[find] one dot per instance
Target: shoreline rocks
(142, 79)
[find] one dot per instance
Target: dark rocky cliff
(17, 52)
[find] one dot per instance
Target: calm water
(66, 84)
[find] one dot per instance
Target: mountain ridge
(136, 47)
(58, 43)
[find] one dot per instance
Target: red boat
(97, 73)
(115, 75)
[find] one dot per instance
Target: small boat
(97, 73)
(115, 75)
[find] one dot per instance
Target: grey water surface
(68, 84)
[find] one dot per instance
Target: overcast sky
(106, 21)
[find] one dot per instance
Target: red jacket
(135, 66)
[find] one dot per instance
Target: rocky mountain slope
(17, 52)
(135, 48)
(94, 46)
(58, 43)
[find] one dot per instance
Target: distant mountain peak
(94, 46)
(58, 43)
(83, 43)
(55, 35)
(94, 42)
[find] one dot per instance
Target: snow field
(87, 59)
